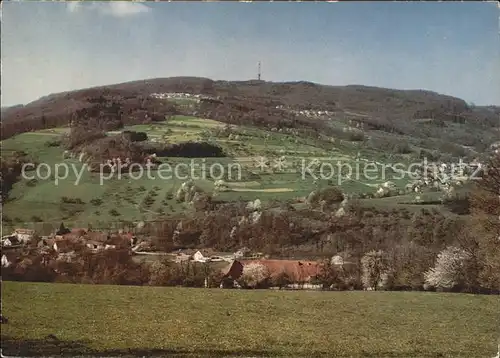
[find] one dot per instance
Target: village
(65, 245)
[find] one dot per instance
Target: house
(9, 240)
(299, 273)
(63, 246)
(24, 235)
(45, 242)
(342, 261)
(198, 257)
(231, 273)
(8, 259)
(337, 260)
(243, 252)
(73, 234)
(94, 245)
(6, 242)
(116, 242)
(59, 244)
(5, 261)
(182, 257)
(145, 246)
(96, 236)
(132, 239)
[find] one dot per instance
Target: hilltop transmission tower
(258, 71)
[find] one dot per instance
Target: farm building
(182, 257)
(198, 257)
(299, 273)
(9, 241)
(24, 235)
(94, 245)
(6, 261)
(231, 273)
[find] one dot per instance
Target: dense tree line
(100, 109)
(11, 167)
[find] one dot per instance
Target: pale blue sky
(451, 48)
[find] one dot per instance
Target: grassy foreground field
(120, 320)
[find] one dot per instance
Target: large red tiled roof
(297, 271)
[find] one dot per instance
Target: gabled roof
(233, 269)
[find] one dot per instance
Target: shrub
(135, 136)
(114, 212)
(66, 200)
(356, 136)
(96, 201)
(53, 143)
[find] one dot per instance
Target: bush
(114, 212)
(53, 143)
(135, 136)
(96, 201)
(66, 200)
(356, 136)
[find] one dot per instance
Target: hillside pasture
(128, 199)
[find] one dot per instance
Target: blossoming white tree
(449, 270)
(254, 274)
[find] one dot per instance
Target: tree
(450, 271)
(485, 207)
(330, 275)
(254, 275)
(374, 269)
(281, 280)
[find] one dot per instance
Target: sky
(447, 47)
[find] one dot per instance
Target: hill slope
(298, 121)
